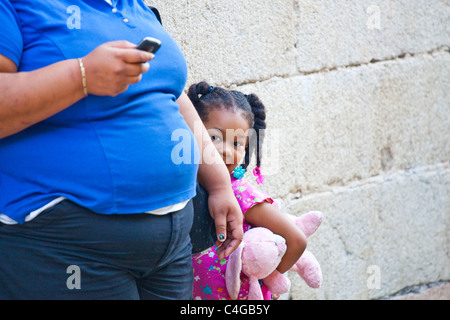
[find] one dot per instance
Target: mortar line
(373, 61)
(376, 179)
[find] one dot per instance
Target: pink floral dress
(209, 271)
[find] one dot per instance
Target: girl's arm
(214, 177)
(269, 216)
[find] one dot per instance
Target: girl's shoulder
(248, 195)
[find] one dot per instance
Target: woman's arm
(214, 177)
(30, 97)
(269, 216)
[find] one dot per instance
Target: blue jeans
(69, 252)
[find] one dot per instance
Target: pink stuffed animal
(260, 253)
(257, 256)
(307, 267)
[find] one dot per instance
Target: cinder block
(232, 42)
(341, 33)
(379, 236)
(336, 127)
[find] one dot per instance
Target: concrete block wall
(358, 98)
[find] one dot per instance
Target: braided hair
(206, 97)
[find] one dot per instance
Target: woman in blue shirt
(87, 176)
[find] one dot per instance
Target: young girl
(234, 122)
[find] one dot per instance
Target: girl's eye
(238, 144)
(215, 138)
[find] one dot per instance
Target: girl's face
(229, 132)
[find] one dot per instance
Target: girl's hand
(113, 66)
(228, 218)
(269, 216)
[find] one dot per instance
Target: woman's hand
(214, 177)
(113, 66)
(39, 94)
(228, 217)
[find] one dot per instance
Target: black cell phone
(149, 44)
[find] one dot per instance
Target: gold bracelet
(83, 77)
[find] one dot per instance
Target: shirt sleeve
(247, 195)
(11, 41)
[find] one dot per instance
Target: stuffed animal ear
(308, 268)
(309, 222)
(277, 283)
(254, 291)
(233, 272)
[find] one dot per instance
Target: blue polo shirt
(108, 154)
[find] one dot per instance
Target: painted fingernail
(221, 237)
